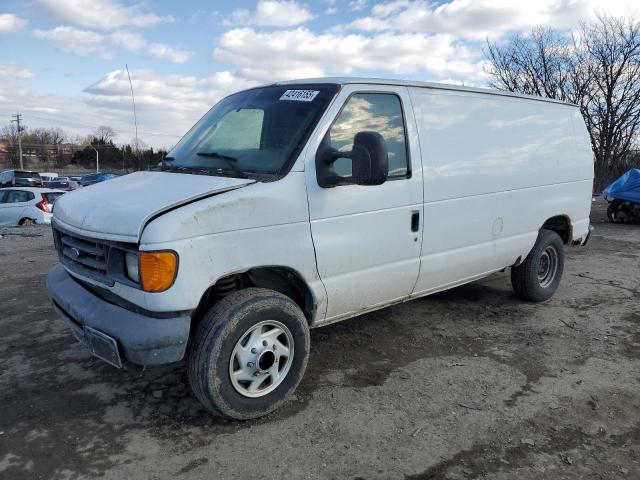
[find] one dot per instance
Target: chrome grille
(83, 255)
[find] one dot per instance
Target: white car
(48, 176)
(27, 205)
(298, 204)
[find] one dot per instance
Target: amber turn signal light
(157, 270)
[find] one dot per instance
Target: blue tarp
(627, 187)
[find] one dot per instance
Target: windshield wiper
(217, 155)
(229, 160)
(189, 169)
(165, 159)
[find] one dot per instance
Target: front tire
(537, 278)
(249, 353)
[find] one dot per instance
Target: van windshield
(257, 132)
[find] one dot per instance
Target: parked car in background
(25, 205)
(93, 178)
(20, 178)
(48, 176)
(62, 183)
(75, 178)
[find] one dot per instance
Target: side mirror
(370, 159)
(369, 162)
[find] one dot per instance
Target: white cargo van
(298, 204)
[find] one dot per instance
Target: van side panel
(583, 151)
(495, 169)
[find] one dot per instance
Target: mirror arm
(332, 155)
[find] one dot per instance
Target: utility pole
(17, 117)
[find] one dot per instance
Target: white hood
(119, 209)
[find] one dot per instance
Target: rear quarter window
(18, 196)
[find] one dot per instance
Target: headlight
(132, 267)
(157, 270)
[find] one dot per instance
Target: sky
(62, 62)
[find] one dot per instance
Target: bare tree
(9, 136)
(58, 137)
(39, 139)
(612, 105)
(598, 69)
(104, 134)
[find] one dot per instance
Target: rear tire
(240, 337)
(613, 212)
(537, 278)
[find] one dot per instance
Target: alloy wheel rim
(547, 266)
(261, 359)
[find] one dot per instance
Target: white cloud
(271, 13)
(178, 93)
(300, 53)
(10, 22)
(479, 19)
(160, 50)
(357, 5)
(102, 14)
(13, 71)
(83, 43)
(167, 105)
(239, 16)
(131, 41)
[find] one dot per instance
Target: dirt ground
(466, 384)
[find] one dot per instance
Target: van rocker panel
(142, 340)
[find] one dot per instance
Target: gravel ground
(469, 383)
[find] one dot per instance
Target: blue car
(92, 178)
(623, 196)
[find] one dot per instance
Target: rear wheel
(249, 353)
(537, 278)
(613, 212)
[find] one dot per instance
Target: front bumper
(139, 339)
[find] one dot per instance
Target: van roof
(416, 83)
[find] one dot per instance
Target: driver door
(367, 238)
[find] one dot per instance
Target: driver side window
(377, 112)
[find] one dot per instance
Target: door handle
(415, 221)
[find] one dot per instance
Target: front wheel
(537, 278)
(249, 353)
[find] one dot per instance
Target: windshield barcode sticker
(299, 95)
